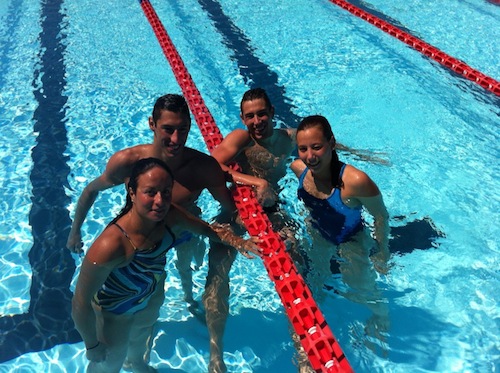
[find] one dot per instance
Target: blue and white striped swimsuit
(128, 289)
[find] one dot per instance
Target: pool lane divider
(319, 343)
(426, 49)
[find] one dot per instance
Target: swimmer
(194, 171)
(119, 291)
(264, 153)
(335, 194)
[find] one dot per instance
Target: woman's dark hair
(255, 94)
(321, 122)
(140, 167)
(170, 102)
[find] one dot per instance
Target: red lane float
(323, 351)
(444, 59)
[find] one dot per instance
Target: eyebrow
(174, 126)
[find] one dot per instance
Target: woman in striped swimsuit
(117, 298)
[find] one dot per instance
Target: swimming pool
(70, 101)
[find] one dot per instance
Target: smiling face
(170, 132)
(153, 195)
(258, 118)
(314, 149)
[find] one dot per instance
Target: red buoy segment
(430, 51)
(321, 347)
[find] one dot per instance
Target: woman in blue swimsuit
(117, 298)
(335, 194)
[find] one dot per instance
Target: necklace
(139, 232)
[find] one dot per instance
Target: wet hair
(322, 123)
(255, 94)
(140, 167)
(171, 102)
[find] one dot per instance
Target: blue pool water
(78, 81)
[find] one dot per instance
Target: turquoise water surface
(78, 81)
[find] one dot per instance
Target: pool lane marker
(47, 322)
(252, 70)
(321, 347)
(426, 49)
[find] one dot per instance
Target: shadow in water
(419, 234)
(407, 343)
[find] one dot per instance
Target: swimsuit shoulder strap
(126, 235)
(302, 176)
(342, 169)
(172, 235)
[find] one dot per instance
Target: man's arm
(85, 202)
(113, 175)
(227, 151)
(298, 167)
(231, 146)
(178, 219)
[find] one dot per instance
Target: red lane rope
(323, 350)
(444, 59)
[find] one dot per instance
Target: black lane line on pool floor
(255, 73)
(48, 320)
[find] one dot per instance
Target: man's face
(258, 118)
(170, 131)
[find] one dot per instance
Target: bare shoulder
(359, 182)
(120, 164)
(298, 167)
(199, 160)
(291, 133)
(238, 135)
(236, 140)
(108, 249)
(131, 155)
(354, 176)
(232, 145)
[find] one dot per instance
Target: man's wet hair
(171, 102)
(255, 94)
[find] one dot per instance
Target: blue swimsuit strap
(303, 175)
